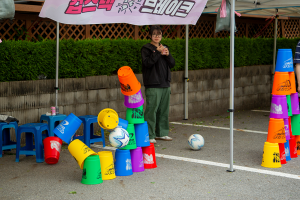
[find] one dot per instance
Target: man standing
(157, 62)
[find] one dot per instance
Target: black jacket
(153, 63)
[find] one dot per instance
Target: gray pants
(157, 111)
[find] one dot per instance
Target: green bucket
(132, 142)
(295, 121)
(135, 115)
(91, 173)
(289, 104)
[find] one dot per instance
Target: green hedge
(24, 60)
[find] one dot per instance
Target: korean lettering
(168, 7)
(83, 6)
(73, 8)
(89, 8)
(187, 7)
(107, 4)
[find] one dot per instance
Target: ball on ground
(196, 141)
(119, 138)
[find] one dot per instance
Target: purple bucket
(134, 101)
(137, 160)
(295, 104)
(279, 108)
(287, 129)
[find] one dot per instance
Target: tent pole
(57, 62)
(231, 100)
(186, 85)
(275, 40)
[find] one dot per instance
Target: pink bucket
(134, 101)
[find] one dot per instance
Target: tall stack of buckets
(284, 123)
(138, 154)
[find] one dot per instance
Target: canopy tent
(154, 12)
(137, 12)
(257, 7)
(262, 8)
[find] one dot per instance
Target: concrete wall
(208, 94)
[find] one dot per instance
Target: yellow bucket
(271, 156)
(80, 151)
(108, 118)
(107, 165)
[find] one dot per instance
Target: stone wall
(208, 94)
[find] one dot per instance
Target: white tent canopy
(287, 8)
(250, 7)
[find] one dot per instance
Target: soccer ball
(119, 138)
(196, 141)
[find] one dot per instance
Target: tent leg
(186, 85)
(275, 39)
(231, 100)
(57, 62)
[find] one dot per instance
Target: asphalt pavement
(181, 173)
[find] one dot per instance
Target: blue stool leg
(18, 146)
(91, 132)
(1, 144)
(103, 138)
(87, 136)
(39, 153)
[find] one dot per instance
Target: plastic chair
(53, 121)
(5, 141)
(88, 131)
(31, 129)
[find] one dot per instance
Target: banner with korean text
(137, 12)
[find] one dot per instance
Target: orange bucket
(281, 84)
(128, 81)
(276, 131)
(298, 144)
(293, 82)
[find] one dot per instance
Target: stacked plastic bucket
(138, 154)
(280, 146)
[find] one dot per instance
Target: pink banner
(137, 12)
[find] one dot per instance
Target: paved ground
(181, 173)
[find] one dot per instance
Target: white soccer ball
(119, 138)
(196, 141)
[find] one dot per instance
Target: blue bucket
(67, 128)
(123, 165)
(284, 62)
(287, 150)
(122, 123)
(142, 135)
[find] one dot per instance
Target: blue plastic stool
(5, 142)
(88, 131)
(53, 121)
(31, 129)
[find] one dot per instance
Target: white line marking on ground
(204, 162)
(260, 110)
(217, 127)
